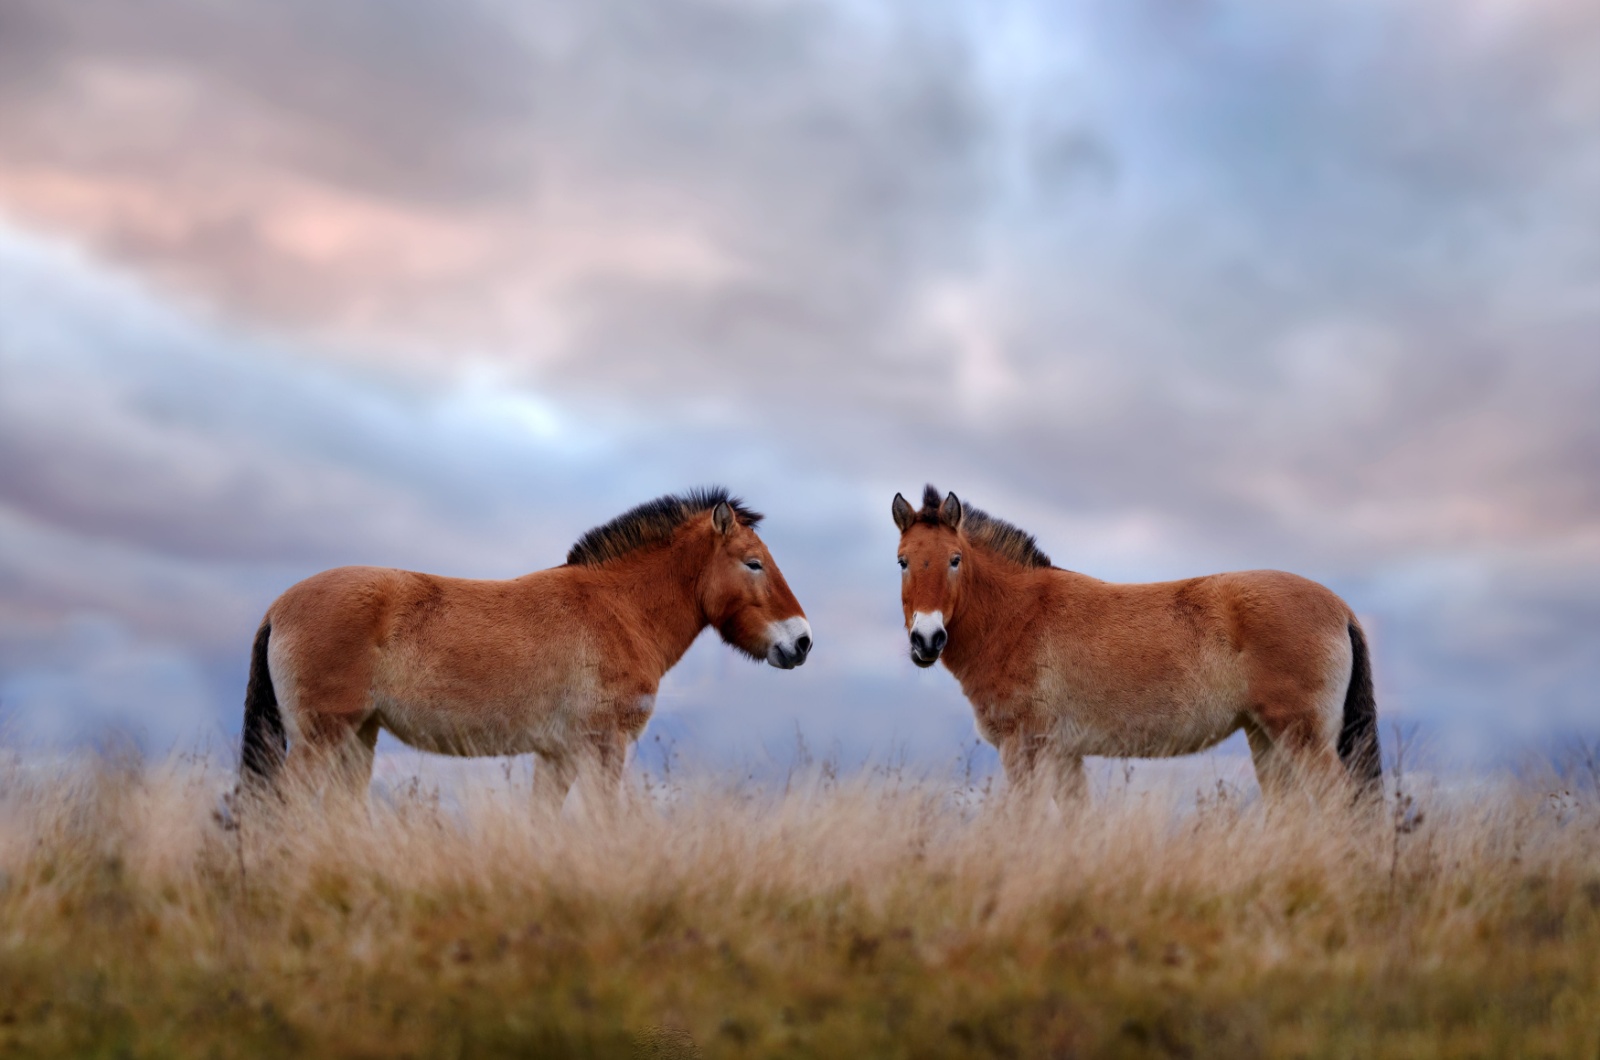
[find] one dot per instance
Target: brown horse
(563, 662)
(1058, 665)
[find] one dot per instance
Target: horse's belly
(1195, 711)
(1147, 734)
(474, 728)
(512, 712)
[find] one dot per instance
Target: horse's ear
(904, 516)
(950, 512)
(722, 517)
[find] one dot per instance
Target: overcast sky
(1178, 286)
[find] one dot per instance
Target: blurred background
(1179, 286)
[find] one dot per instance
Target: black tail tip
(1358, 734)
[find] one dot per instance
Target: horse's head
(930, 570)
(745, 597)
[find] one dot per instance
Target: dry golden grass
(882, 916)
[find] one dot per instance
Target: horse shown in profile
(1058, 665)
(563, 662)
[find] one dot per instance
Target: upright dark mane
(653, 522)
(999, 536)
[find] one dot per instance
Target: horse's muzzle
(926, 646)
(790, 649)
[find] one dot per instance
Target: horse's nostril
(925, 644)
(803, 645)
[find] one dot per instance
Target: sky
(1178, 286)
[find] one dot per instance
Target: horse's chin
(924, 661)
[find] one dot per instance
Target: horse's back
(1170, 667)
(1257, 622)
(389, 602)
(1274, 609)
(445, 631)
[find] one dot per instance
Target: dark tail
(262, 748)
(1358, 737)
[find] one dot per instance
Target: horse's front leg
(552, 779)
(1022, 750)
(1070, 782)
(1036, 769)
(600, 771)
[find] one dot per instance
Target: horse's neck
(996, 604)
(661, 588)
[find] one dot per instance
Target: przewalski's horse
(1058, 665)
(563, 662)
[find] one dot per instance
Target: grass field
(879, 916)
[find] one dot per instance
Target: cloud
(1178, 287)
(349, 171)
(166, 476)
(95, 682)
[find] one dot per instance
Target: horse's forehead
(923, 536)
(743, 537)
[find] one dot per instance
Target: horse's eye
(955, 561)
(904, 563)
(753, 564)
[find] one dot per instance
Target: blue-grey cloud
(167, 476)
(1176, 286)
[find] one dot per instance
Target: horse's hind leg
(328, 707)
(1296, 696)
(1293, 758)
(1267, 760)
(357, 756)
(332, 757)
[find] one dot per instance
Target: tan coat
(563, 663)
(1058, 665)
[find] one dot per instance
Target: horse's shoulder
(577, 597)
